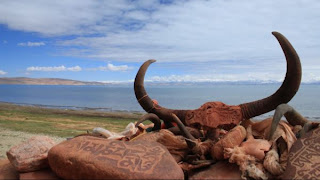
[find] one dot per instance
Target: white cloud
(181, 31)
(111, 67)
(254, 77)
(3, 72)
(54, 68)
(31, 44)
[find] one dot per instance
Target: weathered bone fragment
(272, 162)
(129, 131)
(232, 139)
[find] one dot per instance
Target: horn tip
(152, 60)
(276, 33)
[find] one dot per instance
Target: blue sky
(194, 41)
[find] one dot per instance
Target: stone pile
(148, 156)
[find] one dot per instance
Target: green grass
(62, 123)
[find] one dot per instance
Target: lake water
(111, 98)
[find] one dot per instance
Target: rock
(220, 170)
(176, 145)
(42, 174)
(31, 155)
(304, 158)
(96, 158)
(7, 171)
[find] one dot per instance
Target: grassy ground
(61, 123)
(19, 123)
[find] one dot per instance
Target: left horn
(145, 101)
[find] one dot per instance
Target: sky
(192, 40)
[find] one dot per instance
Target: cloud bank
(31, 44)
(202, 32)
(54, 68)
(111, 67)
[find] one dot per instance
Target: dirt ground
(9, 138)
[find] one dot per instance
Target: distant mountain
(46, 81)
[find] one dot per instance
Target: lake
(122, 98)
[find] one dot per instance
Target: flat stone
(7, 171)
(87, 157)
(220, 170)
(41, 174)
(31, 155)
(304, 158)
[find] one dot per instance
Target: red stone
(304, 158)
(7, 171)
(220, 170)
(31, 155)
(96, 158)
(42, 174)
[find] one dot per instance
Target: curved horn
(145, 101)
(153, 118)
(288, 88)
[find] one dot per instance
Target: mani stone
(46, 174)
(304, 158)
(220, 170)
(86, 157)
(31, 155)
(7, 171)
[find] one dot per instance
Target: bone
(232, 139)
(129, 131)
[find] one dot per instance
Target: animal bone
(232, 139)
(217, 114)
(128, 132)
(253, 147)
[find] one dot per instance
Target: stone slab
(96, 158)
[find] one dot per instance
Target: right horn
(288, 88)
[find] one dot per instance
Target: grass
(62, 123)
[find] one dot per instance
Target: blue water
(179, 97)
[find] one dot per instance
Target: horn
(288, 88)
(145, 101)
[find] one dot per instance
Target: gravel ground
(9, 138)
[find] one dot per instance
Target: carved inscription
(132, 157)
(215, 114)
(306, 160)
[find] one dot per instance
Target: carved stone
(46, 174)
(7, 171)
(304, 158)
(96, 158)
(213, 115)
(220, 170)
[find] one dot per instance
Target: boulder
(220, 170)
(88, 157)
(304, 158)
(31, 155)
